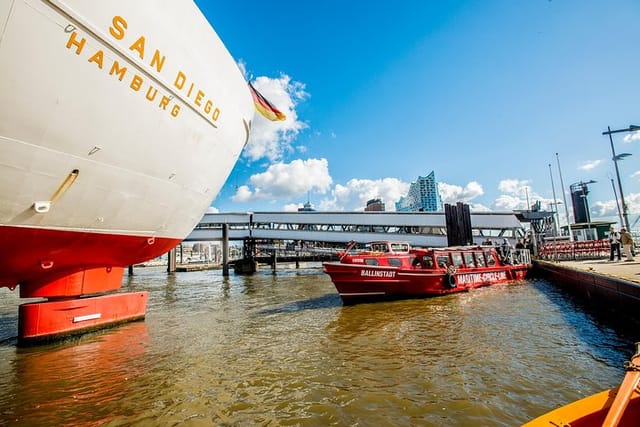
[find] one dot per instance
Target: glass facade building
(422, 197)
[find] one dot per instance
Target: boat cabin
(388, 247)
(458, 258)
(401, 254)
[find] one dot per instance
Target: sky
(483, 93)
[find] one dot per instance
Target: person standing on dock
(627, 243)
(614, 242)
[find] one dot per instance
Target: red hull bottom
(75, 307)
(43, 321)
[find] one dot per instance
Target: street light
(554, 212)
(615, 196)
(631, 128)
(564, 197)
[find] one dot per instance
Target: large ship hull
(119, 123)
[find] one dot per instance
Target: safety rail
(586, 249)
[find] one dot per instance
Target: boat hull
(115, 131)
(118, 127)
(590, 412)
(359, 283)
(49, 320)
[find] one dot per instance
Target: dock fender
(450, 278)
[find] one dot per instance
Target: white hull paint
(121, 118)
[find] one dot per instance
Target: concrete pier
(611, 285)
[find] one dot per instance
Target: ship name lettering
(377, 273)
(475, 278)
(138, 82)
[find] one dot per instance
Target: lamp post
(615, 196)
(555, 217)
(631, 128)
(564, 197)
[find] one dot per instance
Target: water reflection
(47, 385)
(282, 350)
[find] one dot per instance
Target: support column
(225, 250)
(171, 261)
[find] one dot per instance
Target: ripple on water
(282, 350)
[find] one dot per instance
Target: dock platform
(629, 271)
(617, 282)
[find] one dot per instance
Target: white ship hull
(119, 123)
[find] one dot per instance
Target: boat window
(371, 261)
(443, 260)
(457, 259)
(379, 247)
(491, 260)
(479, 259)
(468, 259)
(396, 262)
(400, 247)
(427, 261)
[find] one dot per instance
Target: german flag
(264, 107)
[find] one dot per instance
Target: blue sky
(484, 93)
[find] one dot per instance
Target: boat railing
(518, 257)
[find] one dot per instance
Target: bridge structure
(318, 231)
(427, 229)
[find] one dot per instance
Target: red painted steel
(33, 257)
(417, 272)
(54, 319)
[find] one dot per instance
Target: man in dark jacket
(614, 241)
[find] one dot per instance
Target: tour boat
(392, 270)
(119, 123)
(610, 408)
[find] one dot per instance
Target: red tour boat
(393, 270)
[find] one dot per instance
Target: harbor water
(281, 349)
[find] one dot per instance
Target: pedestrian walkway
(629, 271)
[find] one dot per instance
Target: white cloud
(633, 204)
(604, 208)
(354, 194)
(590, 164)
(635, 136)
(477, 207)
(507, 202)
(212, 210)
(291, 207)
(243, 194)
(450, 193)
(514, 186)
(287, 180)
(272, 139)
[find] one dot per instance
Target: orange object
(618, 407)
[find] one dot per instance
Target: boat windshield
(399, 247)
(396, 247)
